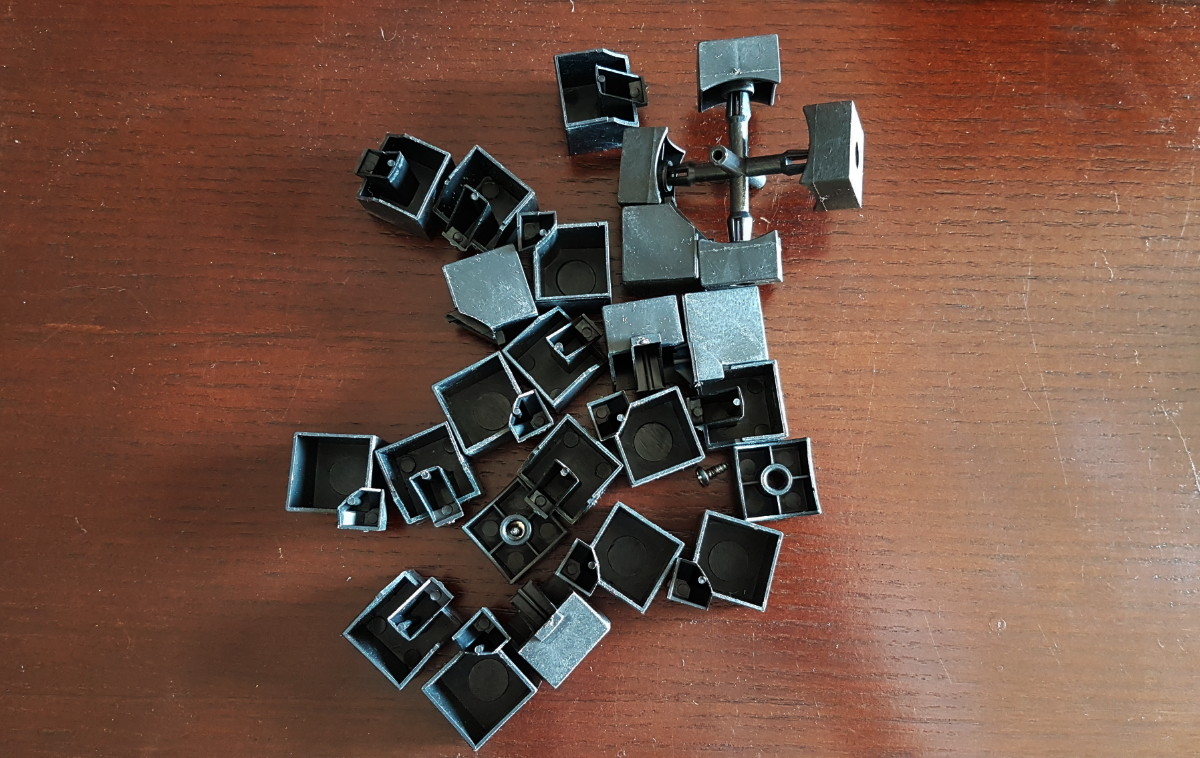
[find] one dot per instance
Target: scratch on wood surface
(1046, 392)
(936, 649)
(1186, 449)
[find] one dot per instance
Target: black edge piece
(537, 229)
(634, 556)
(477, 401)
(739, 264)
(397, 656)
(643, 337)
(760, 414)
(658, 248)
(724, 328)
(548, 355)
(401, 181)
(480, 202)
(432, 448)
(559, 632)
(490, 293)
(568, 472)
(776, 480)
(328, 468)
(738, 558)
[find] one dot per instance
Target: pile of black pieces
(686, 382)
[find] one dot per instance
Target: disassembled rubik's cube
(682, 385)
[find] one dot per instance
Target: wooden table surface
(998, 360)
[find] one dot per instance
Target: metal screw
(706, 475)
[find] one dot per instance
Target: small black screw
(706, 475)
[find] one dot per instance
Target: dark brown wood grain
(998, 360)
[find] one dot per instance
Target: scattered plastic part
(530, 416)
(739, 264)
(634, 556)
(658, 247)
(599, 98)
(364, 510)
(644, 337)
(738, 558)
(724, 328)
(512, 534)
(401, 181)
(480, 202)
(776, 480)
(607, 415)
(657, 437)
(568, 472)
(836, 155)
(537, 229)
(478, 401)
(478, 692)
(725, 64)
(689, 585)
(411, 603)
(572, 270)
(407, 460)
(328, 468)
(579, 568)
(556, 355)
(562, 633)
(490, 294)
(759, 414)
(647, 155)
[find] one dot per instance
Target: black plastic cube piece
(607, 414)
(480, 203)
(689, 585)
(657, 437)
(738, 558)
(594, 112)
(538, 229)
(491, 295)
(643, 338)
(634, 556)
(579, 568)
(569, 471)
(400, 656)
(557, 355)
(725, 63)
(530, 416)
(836, 155)
(741, 264)
(776, 480)
(573, 271)
(763, 416)
(658, 248)
(512, 534)
(401, 181)
(328, 468)
(479, 692)
(478, 401)
(646, 155)
(402, 462)
(724, 328)
(364, 510)
(556, 630)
